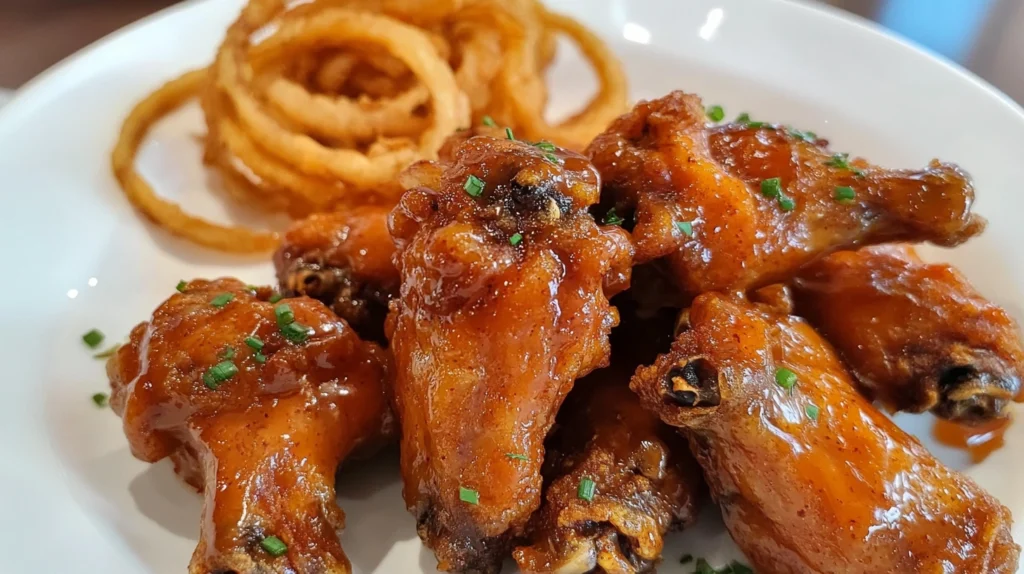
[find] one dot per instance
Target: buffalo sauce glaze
(978, 441)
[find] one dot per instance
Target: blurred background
(986, 36)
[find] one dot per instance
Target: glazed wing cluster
(578, 349)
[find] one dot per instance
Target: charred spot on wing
(541, 199)
(972, 396)
(693, 382)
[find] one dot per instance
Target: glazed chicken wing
(256, 404)
(503, 305)
(344, 260)
(916, 335)
(645, 483)
(743, 205)
(809, 476)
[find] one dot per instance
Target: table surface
(986, 36)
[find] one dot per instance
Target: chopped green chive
(702, 567)
(812, 412)
(844, 193)
(228, 353)
(108, 353)
(612, 218)
(275, 297)
(473, 186)
(101, 399)
(516, 239)
(252, 288)
(785, 378)
(254, 343)
(686, 227)
(737, 568)
(771, 187)
(259, 357)
(786, 203)
(274, 546)
(284, 314)
(509, 134)
(516, 456)
(181, 286)
(222, 300)
(686, 559)
(93, 338)
(743, 118)
(219, 373)
(488, 121)
(545, 145)
(468, 495)
(585, 491)
(842, 161)
(296, 332)
(809, 137)
(551, 158)
(715, 113)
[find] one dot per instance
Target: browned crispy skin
(662, 164)
(843, 492)
(646, 483)
(264, 445)
(344, 260)
(916, 335)
(488, 337)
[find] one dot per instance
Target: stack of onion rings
(314, 106)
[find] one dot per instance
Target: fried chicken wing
(809, 476)
(739, 206)
(344, 260)
(645, 483)
(256, 405)
(503, 305)
(916, 335)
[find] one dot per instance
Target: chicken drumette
(743, 205)
(809, 476)
(503, 305)
(256, 404)
(916, 335)
(344, 260)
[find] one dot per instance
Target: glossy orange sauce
(979, 441)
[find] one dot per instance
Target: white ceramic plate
(75, 256)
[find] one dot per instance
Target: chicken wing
(809, 476)
(344, 260)
(645, 483)
(503, 305)
(917, 336)
(743, 205)
(256, 404)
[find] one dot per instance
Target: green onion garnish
(516, 239)
(488, 121)
(585, 491)
(217, 374)
(259, 357)
(842, 161)
(844, 193)
(743, 118)
(473, 186)
(228, 353)
(101, 399)
(715, 113)
(551, 158)
(785, 378)
(252, 288)
(686, 227)
(545, 145)
(275, 297)
(737, 568)
(809, 137)
(93, 338)
(284, 314)
(274, 546)
(812, 412)
(222, 299)
(468, 495)
(786, 203)
(108, 353)
(296, 332)
(254, 343)
(508, 134)
(771, 187)
(702, 567)
(181, 286)
(612, 218)
(516, 456)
